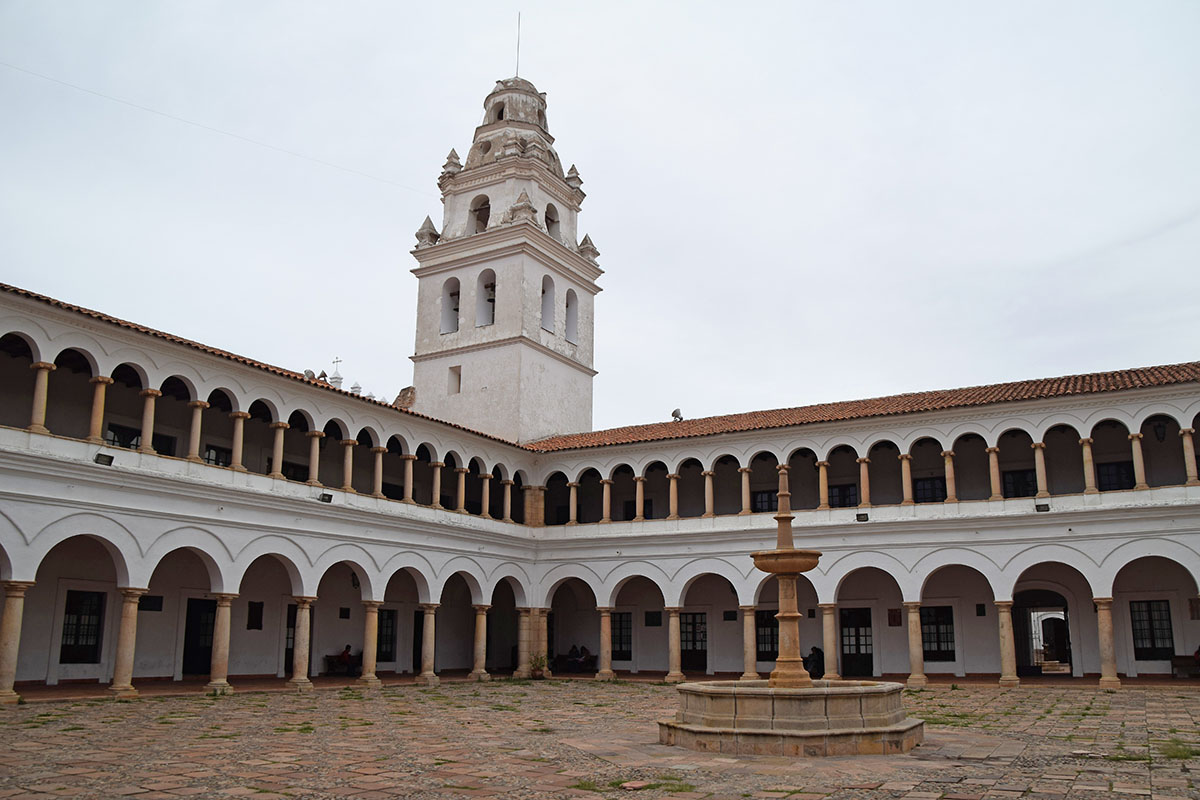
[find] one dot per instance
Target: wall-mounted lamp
(861, 517)
(1160, 431)
(103, 459)
(1041, 507)
(325, 497)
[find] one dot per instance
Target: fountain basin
(830, 718)
(785, 561)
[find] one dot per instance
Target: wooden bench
(335, 666)
(1184, 667)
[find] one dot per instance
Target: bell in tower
(505, 301)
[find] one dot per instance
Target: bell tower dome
(505, 299)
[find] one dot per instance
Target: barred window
(1114, 476)
(622, 636)
(218, 456)
(766, 634)
(1152, 637)
(1020, 483)
(385, 648)
(937, 633)
(929, 490)
(83, 628)
(764, 501)
(843, 495)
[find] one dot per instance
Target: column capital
(239, 415)
(781, 467)
(672, 477)
(46, 365)
(438, 464)
(862, 460)
(461, 470)
(406, 456)
(1103, 602)
(104, 379)
(304, 601)
(379, 449)
(708, 473)
(481, 608)
(197, 404)
(1086, 440)
(131, 593)
(823, 464)
(912, 605)
(1186, 431)
(279, 426)
(826, 606)
(575, 484)
(16, 588)
(348, 442)
(606, 481)
(905, 457)
(223, 598)
(1003, 605)
(673, 610)
(1038, 445)
(372, 604)
(991, 449)
(149, 393)
(744, 470)
(947, 454)
(638, 479)
(604, 609)
(429, 607)
(507, 482)
(486, 476)
(747, 608)
(315, 434)
(1134, 436)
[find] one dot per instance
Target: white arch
(212, 551)
(1072, 557)
(360, 561)
(945, 557)
(116, 538)
(544, 591)
(293, 558)
(1127, 553)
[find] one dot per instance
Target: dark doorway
(198, 635)
(858, 647)
(418, 639)
(289, 648)
(1041, 632)
(385, 647)
(693, 642)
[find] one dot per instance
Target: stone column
(534, 510)
(1089, 468)
(745, 473)
(864, 482)
(408, 478)
(1039, 468)
(541, 617)
(507, 501)
(573, 503)
(606, 501)
(1008, 647)
(916, 647)
(300, 645)
(197, 407)
(1139, 462)
(789, 669)
(823, 484)
(277, 449)
(1108, 651)
(348, 464)
(523, 632)
(100, 386)
(122, 682)
(994, 473)
(239, 440)
(1189, 456)
(377, 472)
(41, 385)
(428, 642)
(370, 653)
(829, 639)
(906, 485)
(673, 496)
(479, 667)
(639, 498)
(951, 489)
(460, 490)
(605, 672)
(709, 495)
(314, 457)
(148, 396)
(674, 653)
(10, 637)
(218, 671)
(485, 495)
(436, 495)
(749, 644)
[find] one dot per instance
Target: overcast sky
(794, 202)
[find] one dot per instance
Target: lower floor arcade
(78, 621)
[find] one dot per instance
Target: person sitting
(814, 662)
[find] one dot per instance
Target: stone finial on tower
(427, 235)
(573, 180)
(452, 166)
(587, 249)
(522, 211)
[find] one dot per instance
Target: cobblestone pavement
(559, 739)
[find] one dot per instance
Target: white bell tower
(505, 302)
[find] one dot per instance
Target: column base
(823, 507)
(150, 451)
(996, 497)
(9, 698)
(606, 675)
(123, 692)
(572, 522)
(369, 681)
(94, 440)
(380, 496)
(301, 684)
(408, 500)
(744, 512)
(639, 519)
(427, 680)
(276, 475)
(1110, 683)
(314, 483)
(1141, 487)
(750, 676)
(672, 516)
(194, 459)
(507, 519)
(521, 674)
(349, 490)
(907, 503)
(1192, 483)
(674, 677)
(1043, 495)
(916, 682)
(438, 506)
(1010, 683)
(707, 516)
(486, 515)
(831, 676)
(1093, 490)
(481, 675)
(218, 687)
(238, 468)
(38, 429)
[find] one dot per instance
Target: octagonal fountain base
(833, 718)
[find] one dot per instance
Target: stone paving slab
(566, 739)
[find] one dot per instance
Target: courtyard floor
(560, 739)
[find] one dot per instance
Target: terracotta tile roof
(283, 373)
(1137, 378)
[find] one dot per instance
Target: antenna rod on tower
(517, 74)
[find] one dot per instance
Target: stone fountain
(791, 714)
